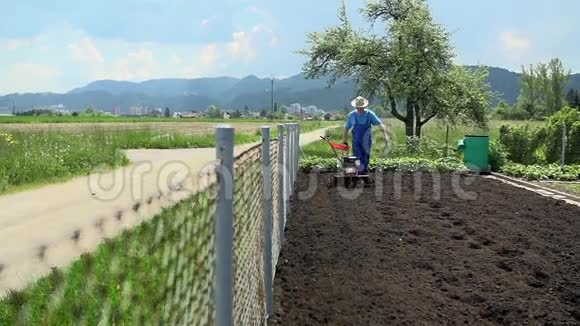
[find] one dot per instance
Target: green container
(475, 153)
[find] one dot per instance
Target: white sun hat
(360, 102)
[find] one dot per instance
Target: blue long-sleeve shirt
(362, 118)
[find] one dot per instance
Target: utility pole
(272, 98)
(13, 108)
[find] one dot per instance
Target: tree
(558, 79)
(167, 113)
(529, 98)
(263, 114)
(89, 111)
(236, 114)
(573, 98)
(213, 112)
(246, 110)
(409, 68)
(542, 88)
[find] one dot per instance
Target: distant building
(190, 115)
(226, 115)
(295, 108)
(136, 110)
(5, 111)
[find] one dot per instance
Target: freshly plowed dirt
(509, 256)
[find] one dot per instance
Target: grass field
(112, 119)
(39, 157)
(432, 144)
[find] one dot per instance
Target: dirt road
(507, 256)
(53, 225)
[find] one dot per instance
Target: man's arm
(345, 135)
(386, 130)
(347, 127)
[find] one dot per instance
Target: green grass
(432, 144)
(543, 172)
(572, 188)
(132, 279)
(36, 157)
(99, 119)
(30, 159)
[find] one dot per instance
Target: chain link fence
(208, 259)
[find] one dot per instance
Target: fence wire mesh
(249, 294)
(159, 272)
(276, 218)
(162, 271)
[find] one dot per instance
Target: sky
(57, 45)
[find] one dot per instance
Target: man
(360, 121)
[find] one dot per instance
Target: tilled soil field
(484, 255)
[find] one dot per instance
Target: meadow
(432, 144)
(113, 119)
(35, 157)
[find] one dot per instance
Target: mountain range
(226, 92)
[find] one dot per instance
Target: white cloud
(209, 55)
(37, 64)
(176, 60)
(14, 44)
(24, 77)
(85, 51)
(136, 65)
(208, 20)
(242, 46)
(513, 41)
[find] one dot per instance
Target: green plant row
(543, 172)
(542, 144)
(403, 164)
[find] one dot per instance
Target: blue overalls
(362, 142)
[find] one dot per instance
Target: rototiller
(348, 167)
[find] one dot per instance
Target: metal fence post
(291, 163)
(297, 151)
(224, 227)
(267, 210)
(288, 189)
(290, 159)
(564, 145)
(281, 182)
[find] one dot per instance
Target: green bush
(542, 144)
(405, 164)
(498, 155)
(543, 172)
(574, 143)
(513, 112)
(423, 147)
(522, 143)
(552, 135)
